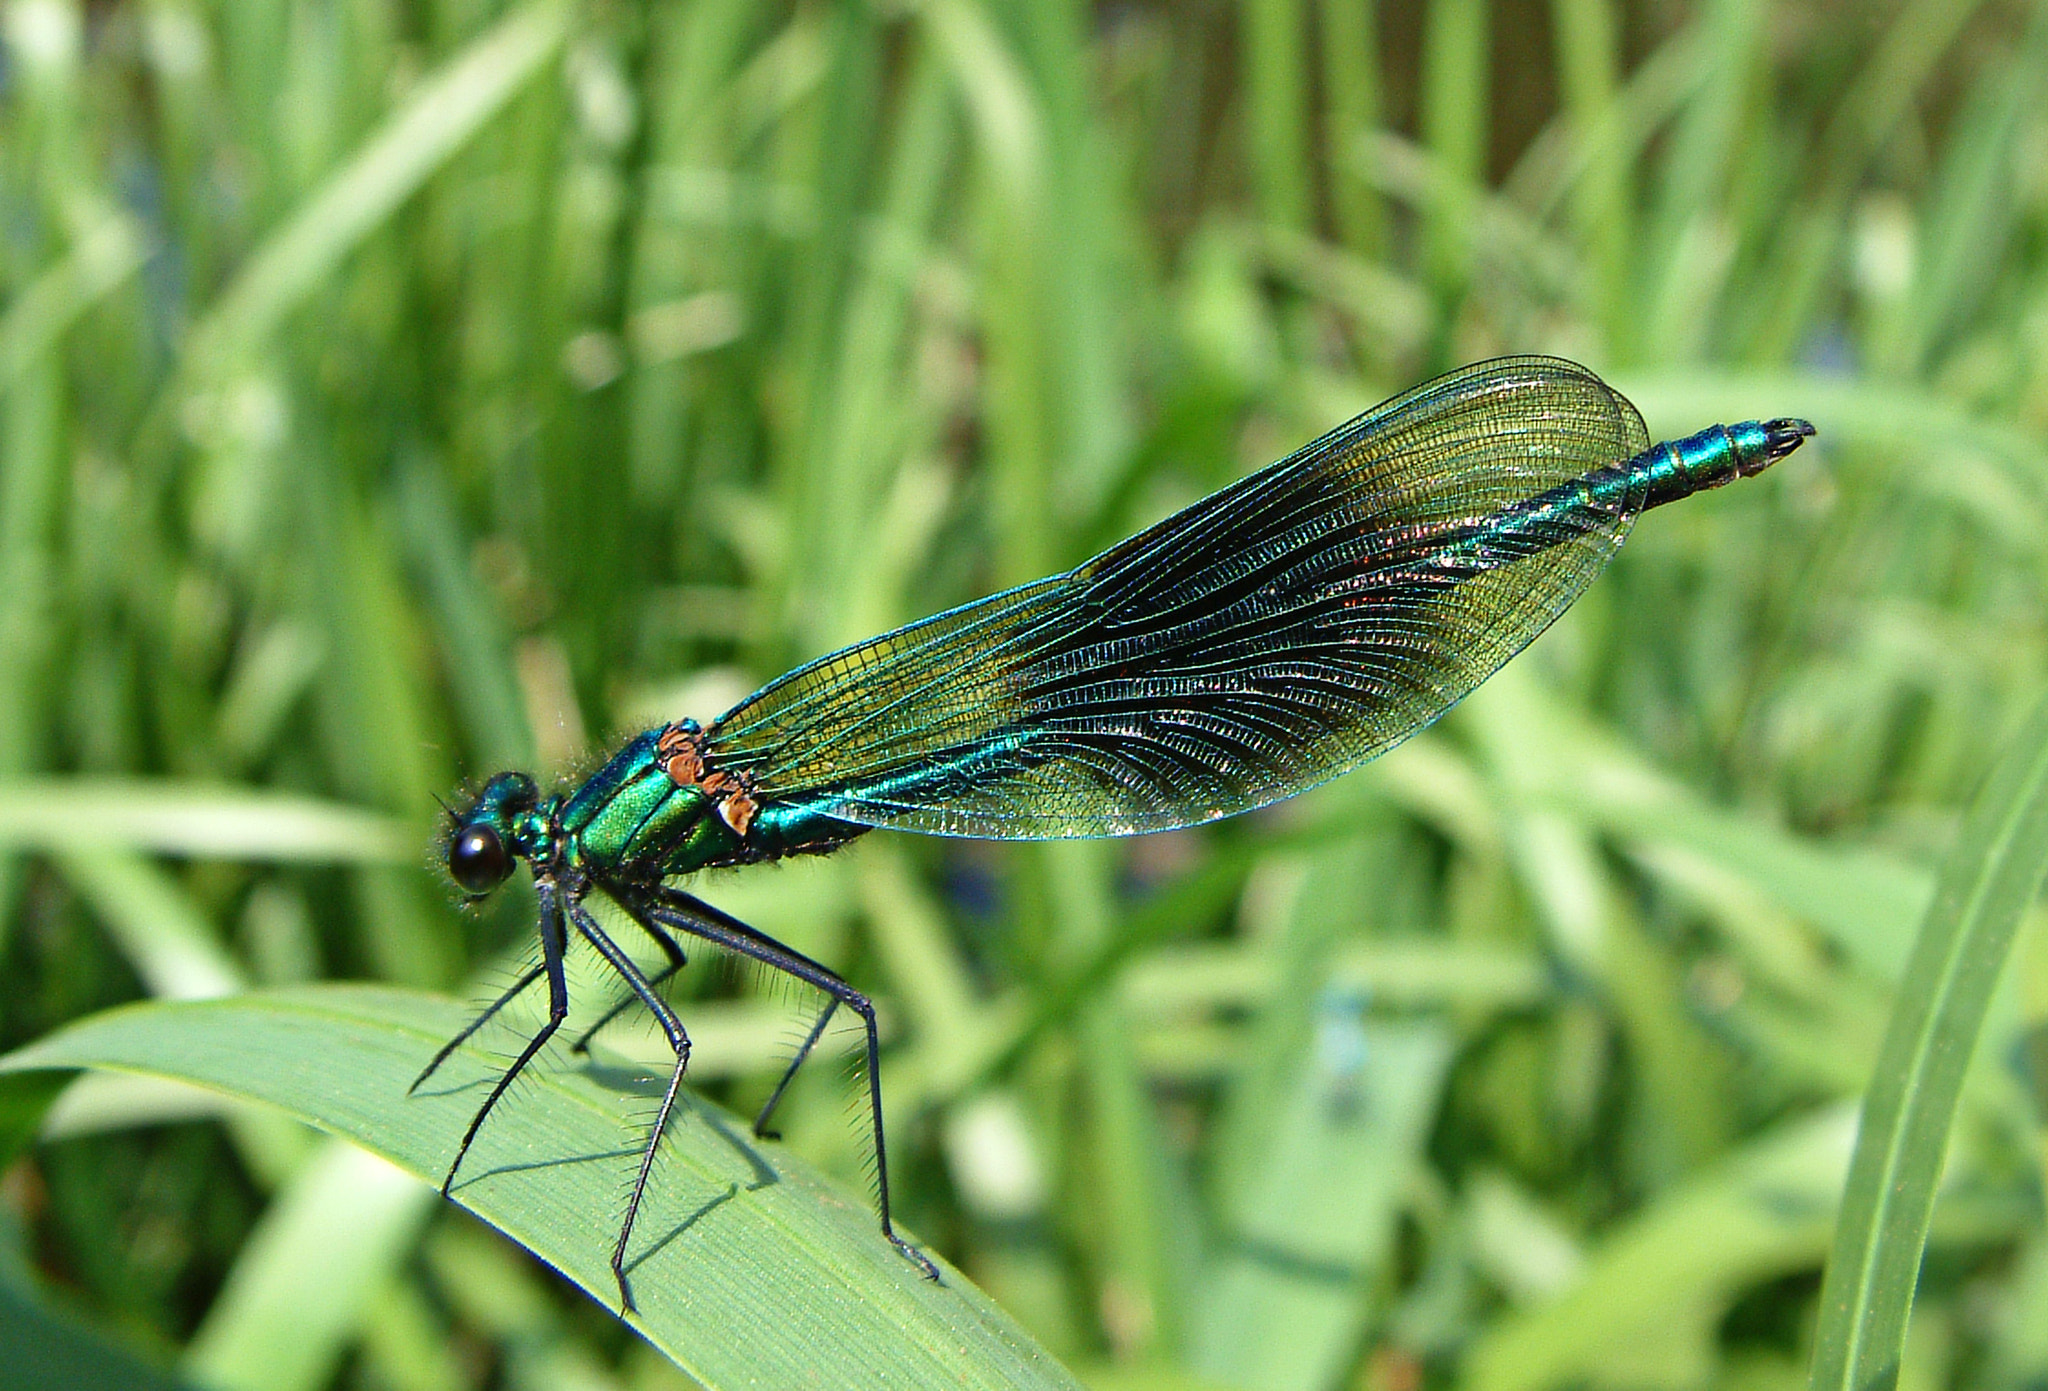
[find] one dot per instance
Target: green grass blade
(444, 113)
(35, 320)
(1454, 127)
(300, 1289)
(43, 1352)
(1589, 52)
(1276, 98)
(31, 488)
(191, 819)
(160, 930)
(1350, 56)
(749, 1269)
(1759, 1213)
(1325, 1120)
(1985, 888)
(25, 1099)
(1866, 113)
(1972, 215)
(1312, 1228)
(466, 621)
(1702, 145)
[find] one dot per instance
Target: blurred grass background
(394, 393)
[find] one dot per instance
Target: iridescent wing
(1263, 640)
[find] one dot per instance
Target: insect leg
(685, 913)
(677, 1039)
(676, 961)
(674, 950)
(761, 1129)
(532, 975)
(552, 944)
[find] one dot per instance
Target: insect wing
(1251, 646)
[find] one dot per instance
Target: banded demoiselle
(1262, 641)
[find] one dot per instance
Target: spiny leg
(676, 909)
(582, 1043)
(532, 975)
(676, 962)
(552, 944)
(761, 1130)
(677, 1040)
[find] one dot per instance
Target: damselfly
(1247, 648)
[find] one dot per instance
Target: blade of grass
(832, 146)
(471, 631)
(1313, 1219)
(299, 1289)
(173, 818)
(1454, 124)
(1589, 50)
(171, 946)
(45, 1352)
(166, 939)
(863, 425)
(1761, 1211)
(31, 493)
(1973, 211)
(1276, 99)
(749, 1269)
(1592, 924)
(488, 1285)
(371, 710)
(302, 1284)
(1132, 1240)
(1350, 52)
(1702, 140)
(25, 1099)
(1985, 887)
(1323, 1123)
(1905, 61)
(407, 1342)
(690, 65)
(1085, 304)
(101, 262)
(442, 115)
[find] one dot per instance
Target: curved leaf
(1985, 887)
(748, 1267)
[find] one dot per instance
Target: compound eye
(477, 859)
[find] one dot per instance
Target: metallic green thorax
(630, 821)
(631, 812)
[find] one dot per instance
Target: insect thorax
(660, 808)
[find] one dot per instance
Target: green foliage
(1992, 876)
(751, 1269)
(394, 393)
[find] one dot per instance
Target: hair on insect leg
(634, 1138)
(517, 985)
(795, 1061)
(629, 1000)
(780, 986)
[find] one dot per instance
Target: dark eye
(477, 859)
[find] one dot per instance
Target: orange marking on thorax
(737, 811)
(731, 794)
